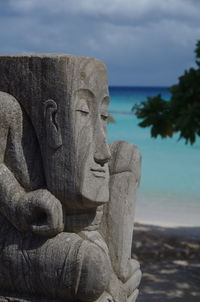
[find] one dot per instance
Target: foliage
(181, 113)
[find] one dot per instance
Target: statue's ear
(53, 133)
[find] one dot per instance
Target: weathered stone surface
(67, 197)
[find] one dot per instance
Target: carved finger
(44, 230)
(105, 298)
(131, 285)
(57, 217)
(134, 296)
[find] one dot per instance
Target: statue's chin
(87, 193)
(93, 201)
(83, 200)
(95, 188)
(86, 200)
(95, 195)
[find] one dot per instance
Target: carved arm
(38, 211)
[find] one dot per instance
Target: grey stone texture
(67, 197)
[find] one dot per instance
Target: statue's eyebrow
(86, 92)
(86, 95)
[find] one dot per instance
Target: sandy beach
(170, 262)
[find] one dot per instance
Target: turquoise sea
(169, 192)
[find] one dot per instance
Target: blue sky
(143, 42)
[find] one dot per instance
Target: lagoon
(169, 193)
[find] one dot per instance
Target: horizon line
(140, 86)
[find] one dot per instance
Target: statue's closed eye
(104, 116)
(83, 107)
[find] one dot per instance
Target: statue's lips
(99, 172)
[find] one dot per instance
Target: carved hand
(125, 158)
(40, 212)
(124, 179)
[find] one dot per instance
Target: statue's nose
(102, 153)
(102, 150)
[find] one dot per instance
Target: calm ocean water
(169, 193)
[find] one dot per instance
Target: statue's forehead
(51, 76)
(91, 74)
(87, 97)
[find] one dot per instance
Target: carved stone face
(76, 135)
(66, 99)
(92, 150)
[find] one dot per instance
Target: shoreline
(168, 211)
(167, 224)
(178, 233)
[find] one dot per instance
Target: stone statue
(66, 195)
